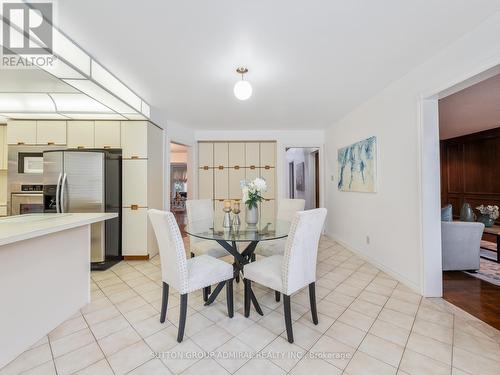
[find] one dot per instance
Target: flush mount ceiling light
(242, 89)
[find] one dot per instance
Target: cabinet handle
(134, 157)
(205, 167)
(220, 200)
(51, 143)
(236, 167)
(106, 146)
(267, 200)
(252, 167)
(221, 167)
(267, 167)
(80, 147)
(20, 143)
(134, 207)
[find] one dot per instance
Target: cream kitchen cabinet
(267, 154)
(268, 174)
(135, 183)
(206, 183)
(236, 154)
(205, 154)
(236, 175)
(221, 154)
(268, 209)
(50, 132)
(107, 134)
(80, 134)
(134, 139)
(3, 210)
(3, 147)
(135, 231)
(21, 132)
(251, 173)
(221, 183)
(252, 154)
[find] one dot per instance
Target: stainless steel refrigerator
(87, 181)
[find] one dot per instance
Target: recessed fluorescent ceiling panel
(98, 93)
(106, 79)
(26, 102)
(78, 103)
(93, 116)
(69, 51)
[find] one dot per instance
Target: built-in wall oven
(27, 201)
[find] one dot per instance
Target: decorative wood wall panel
(470, 170)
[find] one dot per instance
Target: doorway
(304, 175)
(179, 183)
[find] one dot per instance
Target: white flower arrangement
(252, 191)
(491, 211)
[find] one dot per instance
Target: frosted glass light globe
(242, 90)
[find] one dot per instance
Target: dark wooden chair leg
(277, 295)
(312, 301)
(206, 293)
(288, 317)
(247, 297)
(182, 317)
(229, 297)
(164, 302)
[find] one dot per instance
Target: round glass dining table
(245, 235)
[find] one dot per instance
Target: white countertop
(23, 227)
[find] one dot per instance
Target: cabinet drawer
(221, 154)
(205, 154)
(235, 178)
(135, 183)
(252, 154)
(269, 176)
(21, 132)
(51, 132)
(268, 154)
(221, 183)
(134, 139)
(267, 209)
(80, 134)
(107, 134)
(205, 183)
(134, 231)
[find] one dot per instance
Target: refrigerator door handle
(63, 184)
(58, 188)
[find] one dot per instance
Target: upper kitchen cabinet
(51, 132)
(237, 155)
(221, 154)
(107, 134)
(134, 139)
(205, 155)
(3, 148)
(21, 132)
(268, 154)
(252, 155)
(80, 134)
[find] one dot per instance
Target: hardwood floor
(477, 297)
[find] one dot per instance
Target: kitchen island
(44, 275)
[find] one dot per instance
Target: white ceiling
(32, 80)
(471, 110)
(310, 61)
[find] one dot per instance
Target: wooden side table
(494, 230)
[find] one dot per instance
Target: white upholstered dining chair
(182, 274)
(295, 269)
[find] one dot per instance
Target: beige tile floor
(369, 324)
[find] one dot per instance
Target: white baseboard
(396, 275)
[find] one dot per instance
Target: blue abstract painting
(358, 166)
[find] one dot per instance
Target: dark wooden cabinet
(470, 170)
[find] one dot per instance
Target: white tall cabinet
(142, 166)
(223, 165)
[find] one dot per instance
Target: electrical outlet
(367, 240)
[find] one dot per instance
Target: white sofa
(460, 245)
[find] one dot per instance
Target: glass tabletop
(266, 229)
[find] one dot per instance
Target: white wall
(284, 139)
(394, 216)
